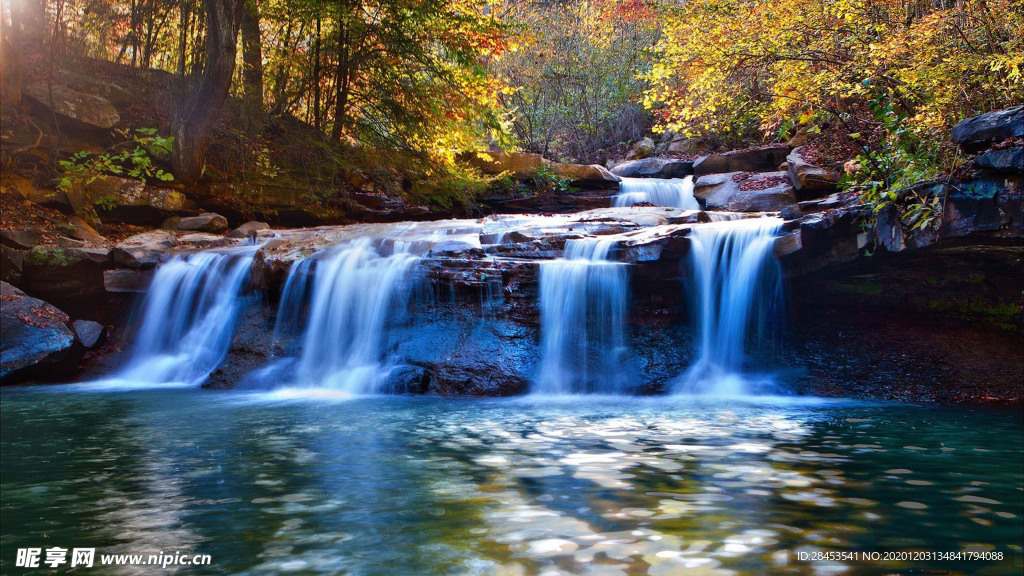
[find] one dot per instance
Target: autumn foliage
(747, 68)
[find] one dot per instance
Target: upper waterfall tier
(674, 193)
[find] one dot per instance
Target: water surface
(398, 485)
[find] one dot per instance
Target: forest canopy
(574, 80)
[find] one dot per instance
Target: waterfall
(736, 293)
(583, 314)
(188, 318)
(339, 305)
(675, 193)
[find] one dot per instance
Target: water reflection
(604, 486)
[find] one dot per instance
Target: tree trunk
(15, 59)
(316, 75)
(343, 78)
(197, 115)
(183, 24)
(252, 62)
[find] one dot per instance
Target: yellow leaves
(727, 63)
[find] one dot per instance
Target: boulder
(34, 335)
(1008, 160)
(248, 230)
(20, 238)
(739, 192)
(90, 334)
(642, 149)
(519, 164)
(586, 174)
(810, 181)
(85, 108)
(982, 131)
(143, 250)
(87, 84)
(765, 159)
(132, 202)
(64, 272)
(206, 222)
(654, 168)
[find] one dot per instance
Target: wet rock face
(34, 336)
(982, 131)
(461, 352)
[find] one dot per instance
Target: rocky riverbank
(879, 307)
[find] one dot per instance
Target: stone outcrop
(60, 273)
(586, 174)
(88, 109)
(34, 336)
(653, 168)
(744, 192)
(131, 201)
(765, 159)
(980, 132)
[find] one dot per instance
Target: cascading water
(737, 291)
(674, 193)
(354, 294)
(583, 299)
(188, 318)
